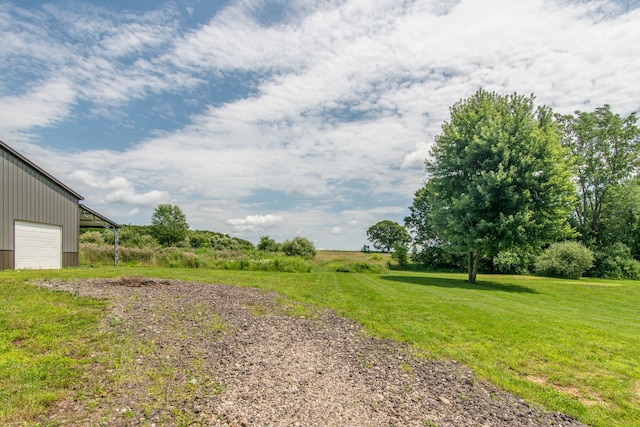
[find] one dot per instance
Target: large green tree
(498, 179)
(605, 151)
(385, 234)
(168, 224)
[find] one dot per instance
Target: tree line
(507, 180)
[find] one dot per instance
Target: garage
(37, 246)
(40, 217)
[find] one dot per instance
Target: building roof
(92, 219)
(40, 170)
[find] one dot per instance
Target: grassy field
(45, 339)
(570, 346)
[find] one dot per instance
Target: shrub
(91, 237)
(616, 262)
(566, 259)
(267, 244)
(299, 246)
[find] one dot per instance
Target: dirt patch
(587, 400)
(201, 354)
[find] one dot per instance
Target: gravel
(218, 355)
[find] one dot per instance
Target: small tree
(385, 234)
(299, 246)
(401, 253)
(168, 224)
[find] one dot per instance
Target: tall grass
(97, 255)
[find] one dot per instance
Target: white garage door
(38, 245)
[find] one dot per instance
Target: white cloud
(345, 97)
(117, 190)
(255, 222)
(42, 105)
(336, 230)
(128, 196)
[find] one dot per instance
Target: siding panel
(6, 260)
(28, 195)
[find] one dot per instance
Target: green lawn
(571, 346)
(45, 339)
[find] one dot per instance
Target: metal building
(40, 217)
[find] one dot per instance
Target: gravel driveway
(217, 355)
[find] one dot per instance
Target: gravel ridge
(219, 355)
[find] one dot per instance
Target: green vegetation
(300, 247)
(569, 345)
(199, 249)
(565, 259)
(45, 340)
(168, 224)
(605, 151)
(507, 179)
(498, 179)
(386, 234)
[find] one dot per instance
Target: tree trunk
(472, 266)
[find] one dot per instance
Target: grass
(45, 339)
(570, 346)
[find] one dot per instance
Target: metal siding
(70, 259)
(4, 207)
(27, 195)
(6, 260)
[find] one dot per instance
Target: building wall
(27, 195)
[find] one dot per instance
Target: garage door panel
(37, 245)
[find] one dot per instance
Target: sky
(285, 118)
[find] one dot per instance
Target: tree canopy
(498, 178)
(605, 151)
(168, 224)
(385, 234)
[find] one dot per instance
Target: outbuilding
(40, 217)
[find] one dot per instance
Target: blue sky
(285, 118)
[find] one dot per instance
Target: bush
(299, 246)
(267, 244)
(565, 259)
(616, 262)
(91, 237)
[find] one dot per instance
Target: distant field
(570, 346)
